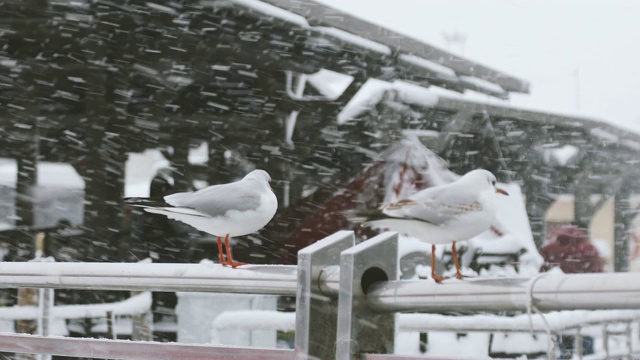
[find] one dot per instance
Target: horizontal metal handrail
(125, 349)
(249, 279)
(549, 292)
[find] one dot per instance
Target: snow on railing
(577, 323)
(252, 320)
(136, 304)
(204, 277)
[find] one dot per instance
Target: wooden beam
(323, 15)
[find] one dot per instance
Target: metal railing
(250, 279)
(337, 283)
(124, 349)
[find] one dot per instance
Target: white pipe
(548, 292)
(248, 279)
(134, 305)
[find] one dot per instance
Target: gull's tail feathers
(364, 216)
(144, 202)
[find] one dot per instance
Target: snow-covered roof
(326, 16)
(355, 32)
(373, 91)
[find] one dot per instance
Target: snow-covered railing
(547, 292)
(137, 304)
(601, 324)
(252, 320)
(250, 279)
(337, 284)
(576, 323)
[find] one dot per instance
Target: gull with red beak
(443, 214)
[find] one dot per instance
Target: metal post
(360, 329)
(111, 319)
(605, 339)
(142, 324)
(622, 217)
(579, 350)
(628, 334)
(315, 310)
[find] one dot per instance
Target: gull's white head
(259, 175)
(483, 180)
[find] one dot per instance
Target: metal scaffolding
(337, 284)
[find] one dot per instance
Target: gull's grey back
(218, 199)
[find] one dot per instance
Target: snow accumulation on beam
(268, 10)
(373, 91)
(354, 39)
(427, 64)
(484, 86)
(329, 83)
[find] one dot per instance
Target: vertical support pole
(315, 310)
(27, 139)
(111, 333)
(579, 350)
(622, 218)
(142, 325)
(605, 339)
(361, 330)
(629, 335)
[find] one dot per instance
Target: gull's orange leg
(454, 253)
(435, 276)
(229, 258)
(222, 260)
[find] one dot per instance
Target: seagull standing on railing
(441, 214)
(234, 209)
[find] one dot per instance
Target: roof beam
(322, 15)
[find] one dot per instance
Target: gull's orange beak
(503, 192)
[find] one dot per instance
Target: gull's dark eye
(493, 183)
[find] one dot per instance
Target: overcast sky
(547, 42)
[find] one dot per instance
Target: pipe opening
(372, 276)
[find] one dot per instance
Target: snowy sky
(545, 42)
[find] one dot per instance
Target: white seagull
(442, 214)
(234, 209)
